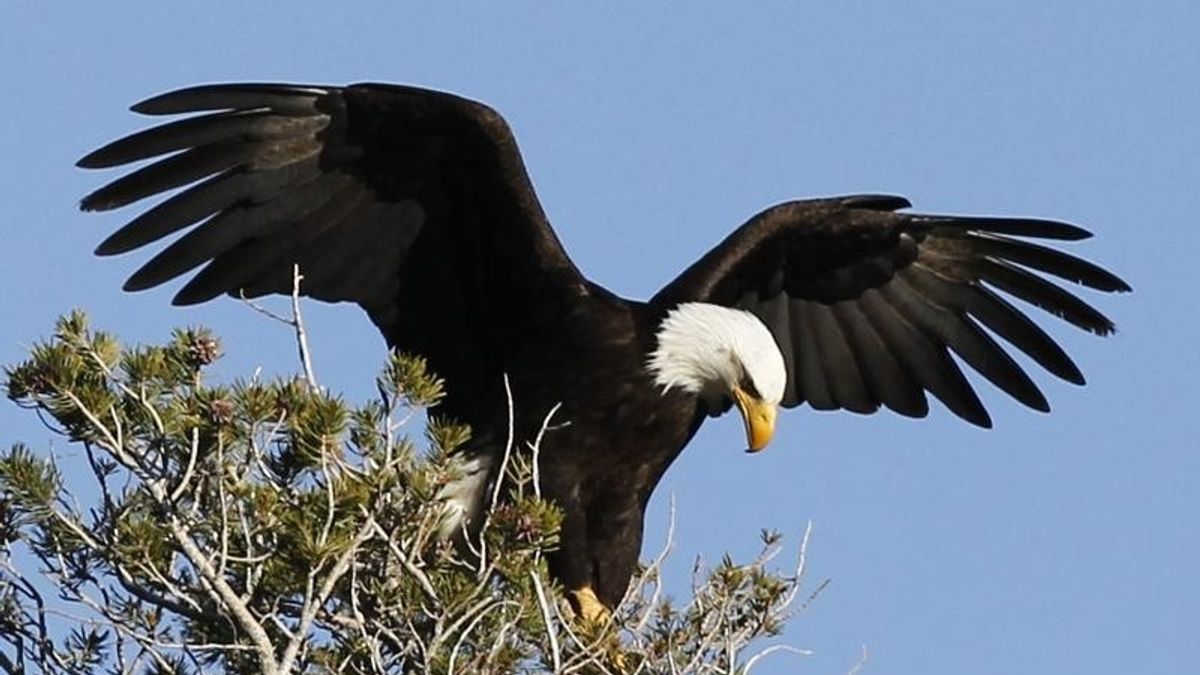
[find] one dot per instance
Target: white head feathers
(708, 349)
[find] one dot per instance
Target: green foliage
(269, 526)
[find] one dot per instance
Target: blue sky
(1053, 543)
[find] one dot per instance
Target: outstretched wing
(867, 303)
(342, 181)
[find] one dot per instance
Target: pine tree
(270, 526)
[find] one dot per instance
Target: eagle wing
(866, 303)
(341, 181)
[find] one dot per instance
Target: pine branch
(265, 526)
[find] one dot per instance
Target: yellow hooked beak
(759, 418)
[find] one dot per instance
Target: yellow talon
(597, 621)
(589, 606)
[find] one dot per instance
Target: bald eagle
(416, 205)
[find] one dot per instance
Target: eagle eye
(747, 385)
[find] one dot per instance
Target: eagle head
(722, 355)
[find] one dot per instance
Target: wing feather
(877, 300)
(1017, 227)
(1050, 297)
(254, 257)
(231, 227)
(919, 299)
(885, 378)
(925, 358)
(344, 181)
(812, 384)
(841, 369)
(1046, 260)
(255, 124)
(288, 99)
(168, 174)
(202, 200)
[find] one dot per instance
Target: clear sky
(1061, 543)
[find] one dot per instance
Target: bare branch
(860, 664)
(301, 333)
(535, 449)
(501, 472)
(544, 605)
(296, 322)
(191, 466)
(753, 660)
